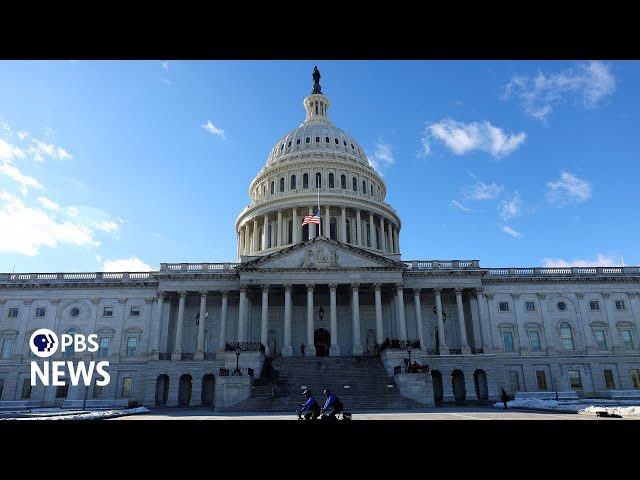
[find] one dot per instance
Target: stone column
(634, 302)
(389, 237)
(485, 329)
(287, 351)
(326, 223)
(242, 312)
(295, 228)
(155, 352)
(177, 350)
(343, 225)
(202, 317)
(396, 240)
(583, 320)
(383, 243)
(615, 335)
(255, 235)
(359, 229)
(549, 334)
(522, 332)
(469, 385)
(311, 349)
(334, 349)
(464, 343)
(222, 344)
(247, 238)
(279, 235)
(312, 227)
(379, 333)
(416, 303)
(401, 313)
(264, 321)
(444, 350)
(265, 232)
(372, 231)
(355, 308)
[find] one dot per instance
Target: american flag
(315, 218)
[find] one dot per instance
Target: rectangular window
(507, 339)
(132, 345)
(134, 312)
(534, 341)
(97, 390)
(503, 306)
(541, 378)
(13, 312)
(103, 351)
(529, 306)
(609, 383)
(601, 340)
(41, 312)
(127, 384)
(63, 390)
(594, 305)
(620, 305)
(26, 389)
(7, 347)
(107, 312)
(514, 382)
(635, 379)
(2, 385)
(575, 380)
(627, 339)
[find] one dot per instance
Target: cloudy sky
(121, 165)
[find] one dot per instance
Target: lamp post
(237, 370)
(409, 352)
(555, 387)
(321, 313)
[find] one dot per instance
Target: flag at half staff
(315, 218)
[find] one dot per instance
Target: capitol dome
(317, 159)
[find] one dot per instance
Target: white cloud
(9, 151)
(568, 189)
(510, 208)
(15, 174)
(50, 150)
(31, 228)
(98, 258)
(49, 132)
(73, 211)
(382, 158)
(6, 127)
(131, 264)
(508, 230)
(463, 138)
(211, 128)
(482, 191)
(457, 205)
(601, 260)
(165, 66)
(48, 204)
(22, 134)
(591, 82)
(120, 219)
(107, 226)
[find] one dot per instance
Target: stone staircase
(369, 387)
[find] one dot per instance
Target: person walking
(504, 397)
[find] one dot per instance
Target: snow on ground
(89, 415)
(620, 407)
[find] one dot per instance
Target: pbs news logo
(44, 343)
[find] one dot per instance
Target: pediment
(322, 254)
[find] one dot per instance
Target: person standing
(302, 349)
(504, 397)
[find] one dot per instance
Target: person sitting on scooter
(311, 405)
(333, 403)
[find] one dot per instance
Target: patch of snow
(579, 406)
(91, 415)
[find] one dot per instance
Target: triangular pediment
(322, 254)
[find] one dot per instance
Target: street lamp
(555, 387)
(237, 370)
(321, 313)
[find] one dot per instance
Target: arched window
(298, 142)
(345, 142)
(348, 228)
(343, 182)
(289, 144)
(317, 139)
(305, 180)
(326, 139)
(282, 147)
(318, 180)
(333, 229)
(355, 184)
(567, 336)
(337, 142)
(269, 236)
(364, 187)
(372, 189)
(307, 140)
(69, 351)
(293, 182)
(273, 186)
(331, 183)
(282, 184)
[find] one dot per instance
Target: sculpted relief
(320, 257)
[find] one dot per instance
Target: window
(282, 184)
(41, 312)
(364, 187)
(331, 181)
(62, 390)
(273, 187)
(127, 384)
(620, 305)
(575, 381)
(282, 147)
(318, 180)
(97, 390)
(293, 182)
(69, 351)
(507, 339)
(74, 312)
(7, 347)
(562, 306)
(503, 306)
(305, 180)
(13, 312)
(134, 312)
(352, 147)
(594, 305)
(317, 139)
(534, 341)
(541, 379)
(26, 389)
(289, 144)
(326, 139)
(371, 189)
(627, 339)
(635, 379)
(132, 345)
(354, 184)
(343, 182)
(337, 142)
(514, 381)
(107, 311)
(307, 140)
(609, 382)
(529, 306)
(567, 336)
(103, 349)
(298, 142)
(601, 340)
(344, 142)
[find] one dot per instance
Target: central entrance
(322, 341)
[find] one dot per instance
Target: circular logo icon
(43, 343)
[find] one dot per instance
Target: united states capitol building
(341, 288)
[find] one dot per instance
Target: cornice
(566, 280)
(69, 285)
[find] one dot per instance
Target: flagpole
(320, 224)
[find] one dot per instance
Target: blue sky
(121, 165)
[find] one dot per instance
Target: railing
(198, 267)
(164, 356)
(245, 346)
(399, 344)
(186, 356)
(442, 264)
(75, 276)
(568, 271)
(209, 355)
(477, 351)
(455, 351)
(433, 351)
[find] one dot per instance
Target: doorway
(480, 379)
(457, 380)
(184, 390)
(162, 390)
(322, 341)
(436, 377)
(208, 389)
